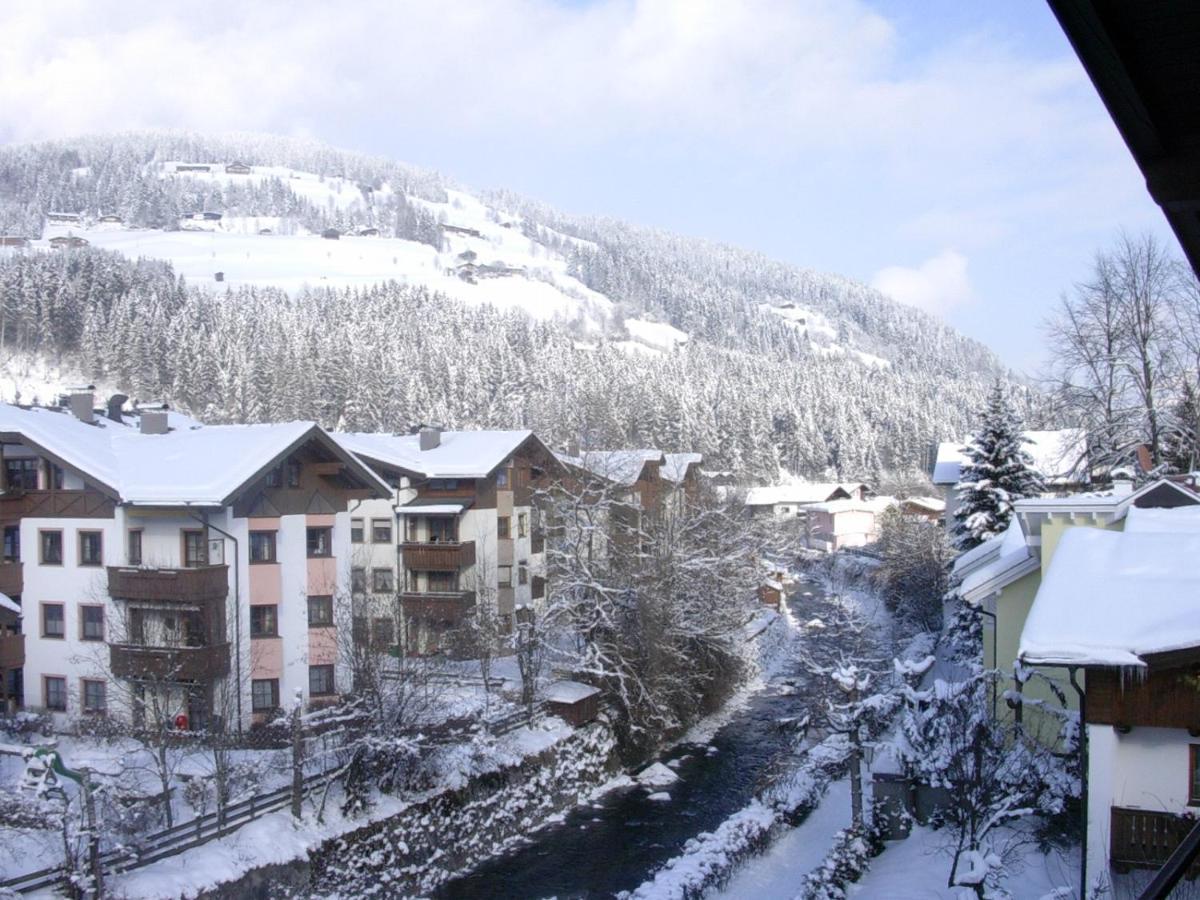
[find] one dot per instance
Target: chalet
(459, 229)
(151, 557)
(331, 234)
(1059, 457)
(265, 231)
(192, 167)
(210, 216)
(64, 218)
(11, 240)
(237, 168)
(111, 219)
(681, 472)
(1117, 612)
(929, 508)
(1002, 576)
(840, 524)
(368, 232)
(791, 500)
(67, 242)
(461, 524)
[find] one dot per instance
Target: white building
(193, 569)
(791, 500)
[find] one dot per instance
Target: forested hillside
(777, 366)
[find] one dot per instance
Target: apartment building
(460, 528)
(165, 568)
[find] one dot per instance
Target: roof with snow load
(459, 454)
(621, 466)
(200, 466)
(1058, 456)
(675, 465)
(802, 492)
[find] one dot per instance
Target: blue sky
(954, 154)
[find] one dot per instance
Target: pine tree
(999, 473)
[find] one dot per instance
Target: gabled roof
(676, 465)
(621, 466)
(1006, 559)
(931, 504)
(205, 466)
(459, 454)
(800, 492)
(875, 505)
(1058, 456)
(1112, 598)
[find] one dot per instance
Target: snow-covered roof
(459, 454)
(570, 692)
(1058, 456)
(985, 553)
(933, 504)
(1009, 558)
(875, 505)
(675, 465)
(9, 604)
(1175, 520)
(199, 466)
(622, 466)
(800, 492)
(1110, 598)
(431, 509)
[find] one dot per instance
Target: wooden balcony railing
(12, 579)
(445, 606)
(198, 585)
(169, 663)
(12, 651)
(83, 504)
(1143, 839)
(437, 557)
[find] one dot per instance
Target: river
(619, 841)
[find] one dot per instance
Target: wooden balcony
(12, 651)
(438, 557)
(12, 579)
(169, 663)
(1163, 698)
(1143, 839)
(199, 585)
(84, 504)
(444, 606)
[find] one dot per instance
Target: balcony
(169, 663)
(84, 504)
(445, 606)
(198, 585)
(438, 557)
(12, 651)
(1143, 839)
(12, 580)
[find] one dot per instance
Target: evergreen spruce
(999, 473)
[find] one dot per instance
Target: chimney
(115, 403)
(430, 437)
(80, 402)
(153, 421)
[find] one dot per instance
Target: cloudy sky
(953, 154)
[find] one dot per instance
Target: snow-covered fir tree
(998, 473)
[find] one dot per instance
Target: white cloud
(937, 285)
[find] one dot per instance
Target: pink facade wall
(266, 658)
(322, 646)
(322, 575)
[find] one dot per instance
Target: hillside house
(64, 218)
(194, 563)
(331, 234)
(461, 525)
(929, 508)
(12, 240)
(192, 167)
(111, 219)
(1118, 610)
(791, 500)
(1059, 457)
(841, 524)
(459, 229)
(368, 232)
(237, 168)
(67, 242)
(681, 472)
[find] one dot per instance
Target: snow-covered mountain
(836, 374)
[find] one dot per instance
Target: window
(522, 573)
(54, 621)
(320, 611)
(320, 680)
(1194, 775)
(51, 542)
(356, 531)
(522, 524)
(382, 581)
(54, 476)
(320, 542)
(502, 478)
(358, 629)
(54, 689)
(275, 477)
(133, 547)
(443, 531)
(264, 694)
(21, 474)
(195, 549)
(262, 546)
(293, 474)
(383, 632)
(91, 548)
(381, 531)
(503, 527)
(264, 621)
(93, 696)
(358, 580)
(91, 623)
(12, 543)
(443, 484)
(505, 576)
